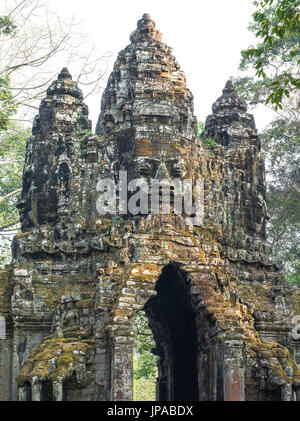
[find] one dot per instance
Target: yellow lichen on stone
(256, 293)
(143, 271)
(54, 359)
(277, 359)
(143, 147)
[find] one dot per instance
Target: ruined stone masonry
(219, 308)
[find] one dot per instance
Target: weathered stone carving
(218, 306)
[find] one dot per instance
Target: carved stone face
(161, 168)
(145, 168)
(179, 168)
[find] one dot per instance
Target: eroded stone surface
(219, 308)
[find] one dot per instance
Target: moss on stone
(54, 359)
(255, 293)
(277, 359)
(5, 291)
(85, 303)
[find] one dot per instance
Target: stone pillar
(214, 372)
(5, 368)
(233, 373)
(22, 393)
(57, 391)
(287, 393)
(36, 389)
(122, 369)
(103, 367)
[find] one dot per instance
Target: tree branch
(8, 195)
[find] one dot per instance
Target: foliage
(277, 23)
(7, 26)
(12, 155)
(7, 106)
(5, 254)
(284, 228)
(293, 275)
(205, 140)
(144, 389)
(145, 361)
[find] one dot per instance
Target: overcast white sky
(206, 37)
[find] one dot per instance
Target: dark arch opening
(47, 391)
(28, 393)
(172, 321)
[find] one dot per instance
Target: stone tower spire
(146, 30)
(51, 152)
(147, 90)
(234, 129)
(230, 123)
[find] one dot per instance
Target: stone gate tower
(220, 311)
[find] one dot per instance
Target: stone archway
(172, 320)
(190, 365)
